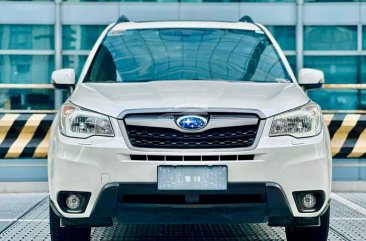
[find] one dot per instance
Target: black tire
(310, 233)
(67, 233)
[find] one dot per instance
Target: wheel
(67, 233)
(310, 233)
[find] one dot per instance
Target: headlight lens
(301, 122)
(81, 123)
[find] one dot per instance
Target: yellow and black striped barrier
(24, 135)
(348, 134)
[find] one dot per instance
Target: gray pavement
(25, 217)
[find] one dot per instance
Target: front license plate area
(192, 177)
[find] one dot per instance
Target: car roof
(185, 24)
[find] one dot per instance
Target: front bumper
(88, 165)
(144, 204)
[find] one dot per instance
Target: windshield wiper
(278, 80)
(88, 80)
(282, 80)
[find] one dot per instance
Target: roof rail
(246, 19)
(122, 19)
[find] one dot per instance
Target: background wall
(37, 37)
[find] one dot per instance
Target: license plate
(192, 177)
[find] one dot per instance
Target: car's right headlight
(301, 122)
(82, 123)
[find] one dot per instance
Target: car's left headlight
(82, 123)
(301, 122)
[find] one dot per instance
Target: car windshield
(141, 55)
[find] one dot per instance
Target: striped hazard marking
(24, 135)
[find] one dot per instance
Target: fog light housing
(73, 202)
(309, 201)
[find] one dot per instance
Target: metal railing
(25, 87)
(344, 86)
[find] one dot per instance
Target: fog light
(308, 201)
(73, 201)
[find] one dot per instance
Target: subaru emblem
(191, 122)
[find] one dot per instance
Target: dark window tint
(330, 37)
(80, 37)
(285, 36)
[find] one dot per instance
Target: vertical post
(359, 38)
(58, 48)
(299, 36)
(359, 60)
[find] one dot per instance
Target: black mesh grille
(228, 137)
(192, 158)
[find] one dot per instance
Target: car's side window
(103, 69)
(269, 72)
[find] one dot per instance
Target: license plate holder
(192, 177)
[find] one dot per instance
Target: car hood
(114, 98)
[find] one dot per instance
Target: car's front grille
(227, 137)
(191, 158)
(200, 199)
(148, 194)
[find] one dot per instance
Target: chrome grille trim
(226, 137)
(198, 151)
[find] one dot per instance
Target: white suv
(189, 122)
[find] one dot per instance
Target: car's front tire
(310, 233)
(67, 233)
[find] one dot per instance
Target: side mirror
(63, 78)
(311, 78)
